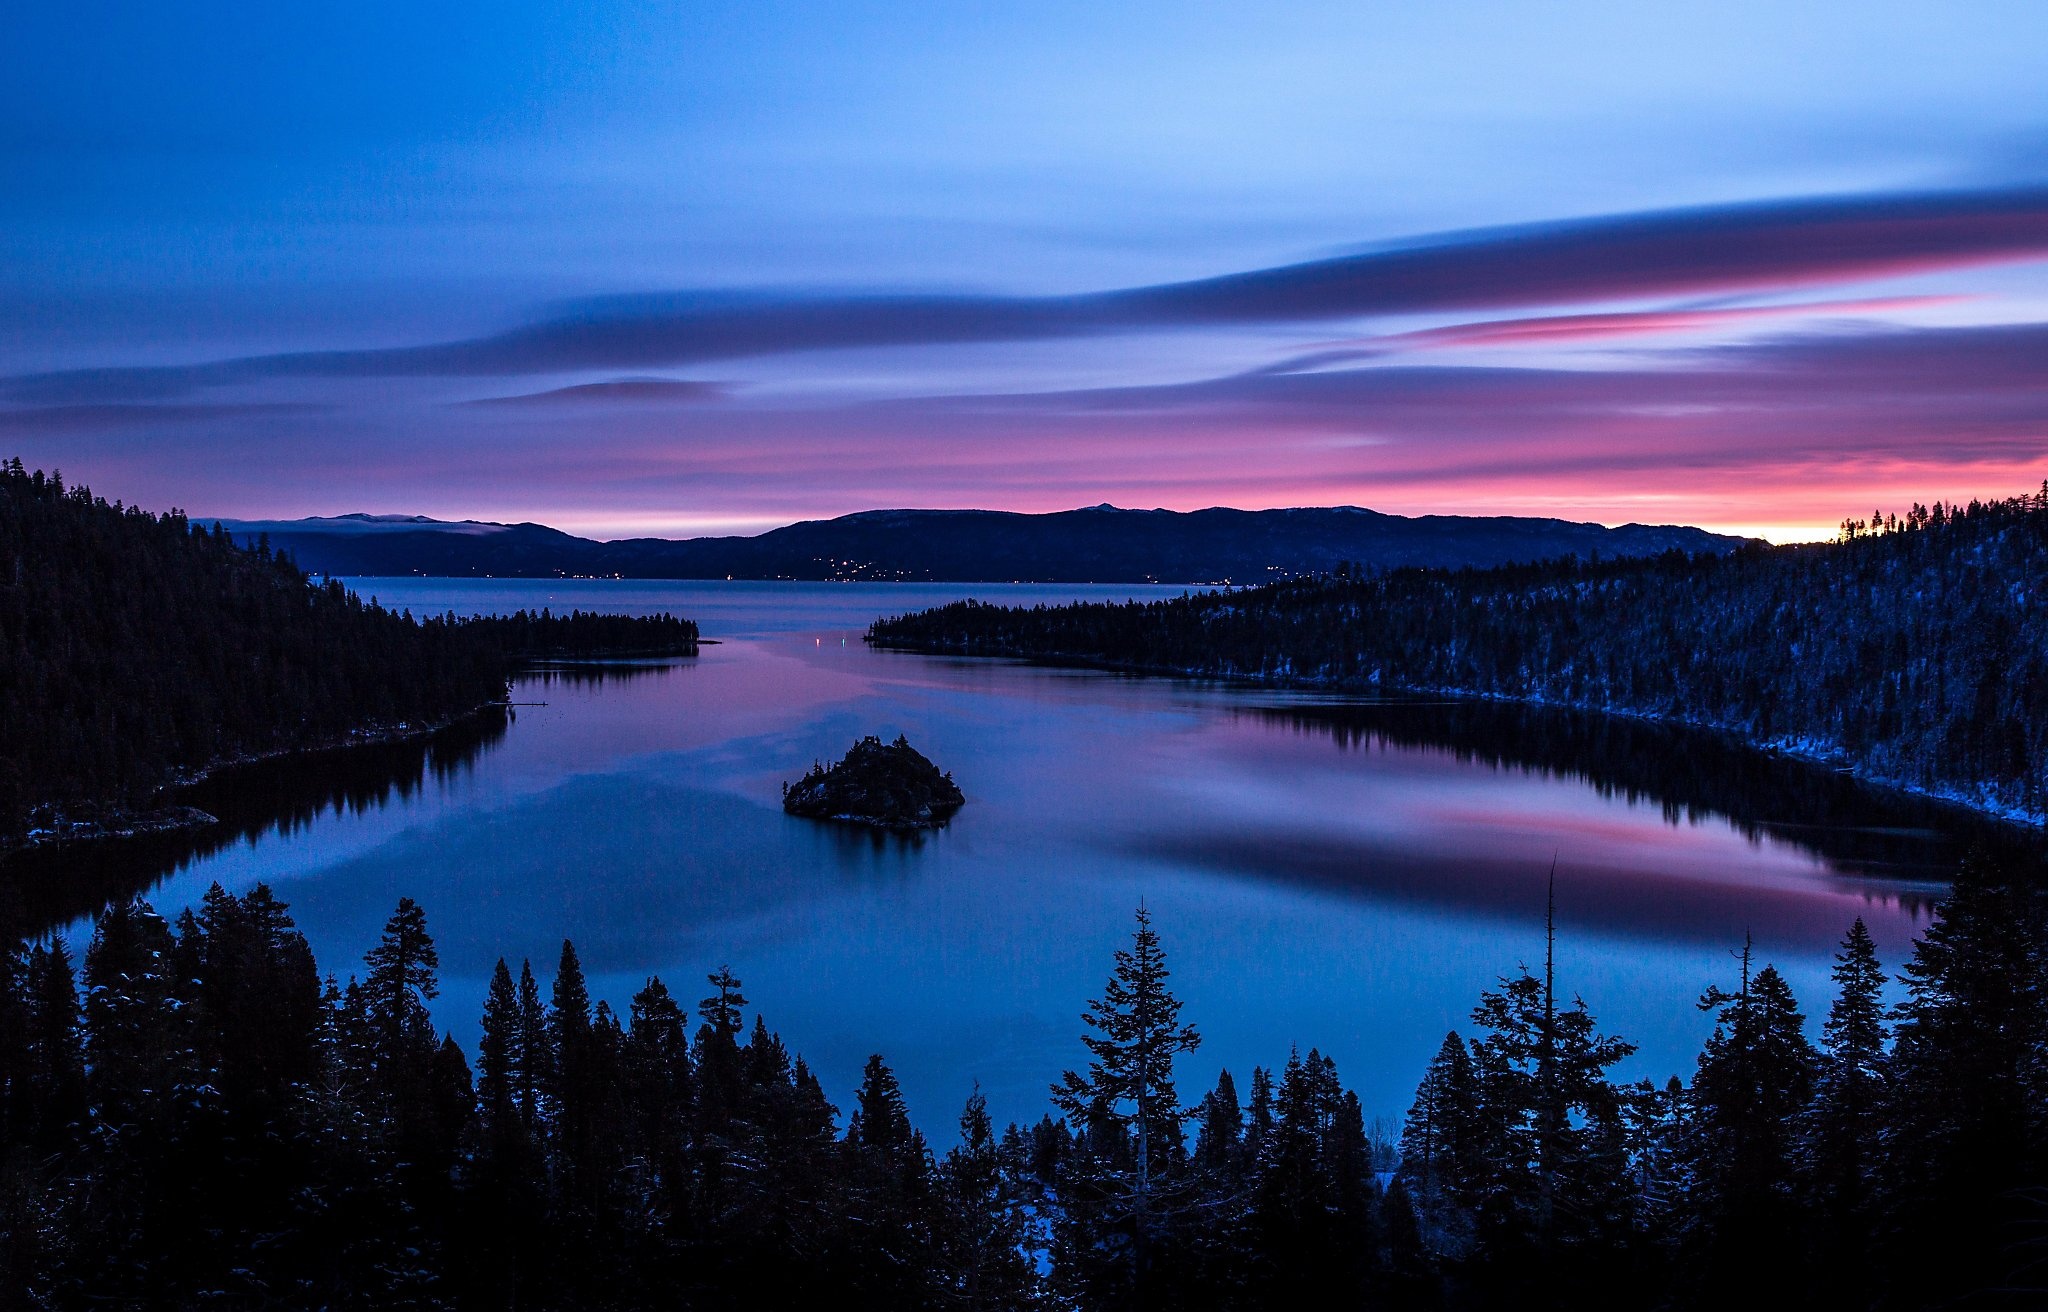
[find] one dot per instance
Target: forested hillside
(136, 648)
(200, 1121)
(1914, 649)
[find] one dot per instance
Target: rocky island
(886, 785)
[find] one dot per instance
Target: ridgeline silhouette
(1913, 650)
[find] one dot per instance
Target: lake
(1325, 872)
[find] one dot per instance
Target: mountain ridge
(1094, 544)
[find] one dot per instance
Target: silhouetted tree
(1132, 1114)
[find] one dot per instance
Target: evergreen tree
(1439, 1172)
(1132, 1115)
(659, 1076)
(168, 1169)
(1129, 1084)
(1966, 1144)
(130, 1025)
(399, 984)
(17, 1102)
(724, 1010)
(533, 1057)
(53, 1053)
(1843, 1127)
(891, 1177)
(451, 1092)
(1219, 1134)
(880, 1123)
(1258, 1125)
(717, 1056)
(983, 1228)
(575, 1090)
(1659, 1138)
(497, 1053)
(1755, 1081)
(1310, 1237)
(1548, 1125)
(506, 1252)
(261, 995)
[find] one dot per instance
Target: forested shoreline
(139, 651)
(1913, 650)
(193, 1117)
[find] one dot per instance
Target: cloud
(86, 418)
(1943, 395)
(619, 391)
(1550, 329)
(1764, 246)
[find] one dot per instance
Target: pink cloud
(1547, 329)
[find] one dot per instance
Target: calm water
(1343, 875)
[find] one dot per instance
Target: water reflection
(1342, 874)
(1692, 777)
(282, 797)
(262, 800)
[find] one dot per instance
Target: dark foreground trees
(192, 1116)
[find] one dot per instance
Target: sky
(709, 268)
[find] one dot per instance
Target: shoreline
(1818, 756)
(109, 822)
(102, 821)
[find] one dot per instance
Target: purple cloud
(1724, 249)
(619, 391)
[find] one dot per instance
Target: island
(886, 785)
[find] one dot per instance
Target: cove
(1325, 872)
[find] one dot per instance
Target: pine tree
(496, 1052)
(574, 1091)
(1303, 1252)
(399, 983)
(1130, 1111)
(1438, 1170)
(1755, 1082)
(1659, 1140)
(1129, 1084)
(983, 1228)
(661, 1082)
(54, 1053)
(1548, 1127)
(505, 1245)
(880, 1123)
(261, 995)
(17, 1102)
(717, 1055)
(723, 1010)
(130, 1028)
(1843, 1127)
(1258, 1117)
(892, 1237)
(1354, 1187)
(1439, 1123)
(1965, 1136)
(533, 1058)
(451, 1091)
(1219, 1132)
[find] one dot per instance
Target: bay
(1325, 872)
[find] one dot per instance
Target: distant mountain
(1100, 544)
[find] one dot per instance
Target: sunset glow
(730, 274)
